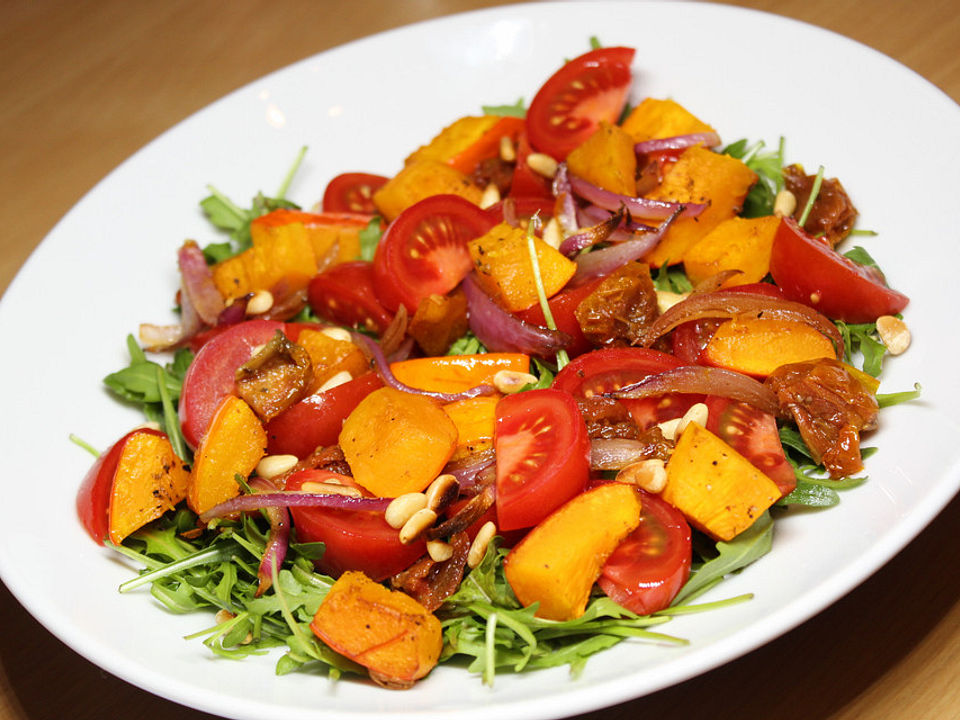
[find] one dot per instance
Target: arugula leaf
(518, 109)
(672, 279)
(769, 169)
(863, 338)
(468, 344)
(890, 399)
(369, 239)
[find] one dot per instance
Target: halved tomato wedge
(424, 250)
(352, 192)
(344, 294)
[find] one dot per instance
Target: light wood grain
(85, 84)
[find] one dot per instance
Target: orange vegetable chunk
(699, 176)
(654, 119)
(758, 346)
(330, 356)
(386, 631)
(607, 159)
(717, 489)
(232, 446)
(742, 244)
(558, 561)
(466, 142)
(456, 373)
(150, 479)
(420, 180)
(475, 419)
(397, 442)
(504, 269)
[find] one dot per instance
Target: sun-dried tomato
(621, 307)
(832, 214)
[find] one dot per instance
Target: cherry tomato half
(344, 294)
(563, 307)
(811, 272)
(352, 192)
(572, 103)
(354, 539)
(543, 456)
(647, 570)
(424, 250)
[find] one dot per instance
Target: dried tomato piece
(275, 378)
(431, 582)
(832, 214)
(606, 418)
(621, 307)
(830, 408)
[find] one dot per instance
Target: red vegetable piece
(352, 193)
(344, 294)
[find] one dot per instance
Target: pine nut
(511, 381)
(337, 333)
(418, 523)
(149, 425)
(667, 299)
(329, 488)
(336, 379)
(553, 233)
(403, 507)
(697, 413)
(894, 333)
(668, 428)
(260, 303)
(442, 491)
(508, 153)
(223, 616)
(439, 551)
(784, 204)
(542, 164)
(478, 548)
(271, 466)
(649, 475)
(491, 196)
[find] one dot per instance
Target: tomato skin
(286, 216)
(649, 567)
(526, 183)
(424, 250)
(572, 103)
(752, 433)
(317, 420)
(344, 294)
(524, 207)
(810, 272)
(563, 305)
(543, 456)
(211, 375)
(355, 539)
(352, 193)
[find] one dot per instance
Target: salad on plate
(529, 397)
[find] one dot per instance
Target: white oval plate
(110, 264)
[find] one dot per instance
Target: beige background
(113, 74)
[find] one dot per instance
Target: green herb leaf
(369, 239)
(769, 169)
(468, 344)
(518, 109)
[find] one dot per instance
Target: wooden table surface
(85, 84)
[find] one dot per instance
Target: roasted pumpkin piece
(475, 419)
(388, 632)
(607, 159)
(830, 406)
(397, 442)
(758, 346)
(439, 321)
(232, 446)
(280, 252)
(456, 373)
(278, 376)
(653, 119)
(741, 244)
(420, 180)
(330, 355)
(700, 176)
(504, 270)
(558, 562)
(717, 489)
(466, 142)
(620, 308)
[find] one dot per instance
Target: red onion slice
(278, 539)
(502, 331)
(593, 235)
(566, 206)
(260, 501)
(383, 370)
(197, 283)
(636, 206)
(695, 379)
(615, 453)
(677, 142)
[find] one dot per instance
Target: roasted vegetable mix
(520, 401)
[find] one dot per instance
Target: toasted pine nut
(650, 475)
(329, 488)
(442, 492)
(337, 333)
(223, 616)
(696, 414)
(668, 428)
(542, 164)
(402, 508)
(336, 379)
(508, 153)
(260, 303)
(417, 525)
(478, 548)
(511, 381)
(553, 233)
(271, 466)
(439, 550)
(784, 204)
(894, 333)
(667, 299)
(491, 196)
(149, 425)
